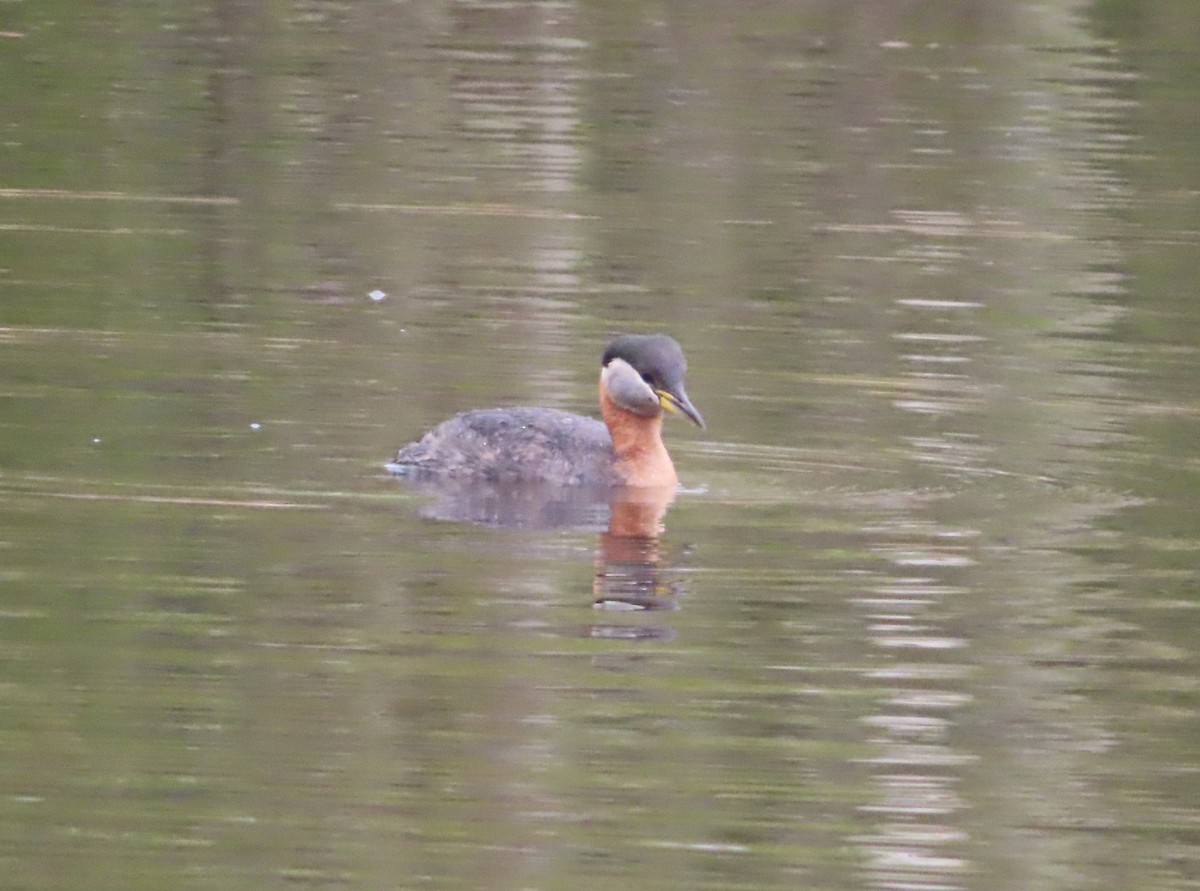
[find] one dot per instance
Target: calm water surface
(923, 617)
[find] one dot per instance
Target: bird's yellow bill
(678, 403)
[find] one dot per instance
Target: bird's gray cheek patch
(628, 390)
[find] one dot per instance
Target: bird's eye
(648, 378)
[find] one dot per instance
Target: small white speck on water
(256, 426)
(377, 295)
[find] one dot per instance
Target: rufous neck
(641, 456)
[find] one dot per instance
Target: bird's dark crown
(656, 357)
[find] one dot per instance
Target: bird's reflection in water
(630, 575)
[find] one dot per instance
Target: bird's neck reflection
(628, 561)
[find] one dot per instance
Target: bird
(641, 380)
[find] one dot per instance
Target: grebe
(641, 376)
